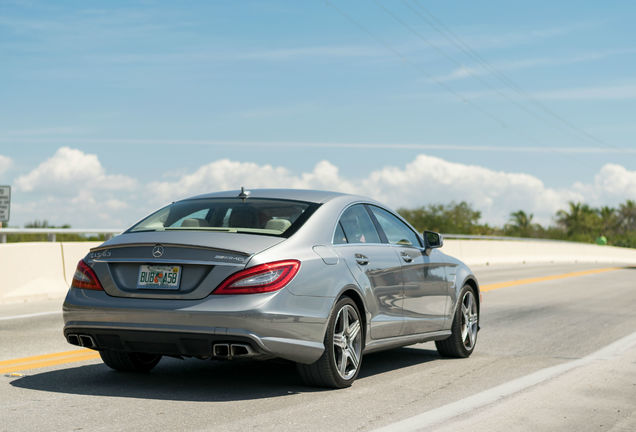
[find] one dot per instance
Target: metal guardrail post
(50, 237)
(3, 238)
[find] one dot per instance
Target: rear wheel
(340, 363)
(129, 362)
(464, 329)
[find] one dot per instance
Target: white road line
(495, 394)
(15, 317)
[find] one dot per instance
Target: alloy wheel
(347, 342)
(470, 320)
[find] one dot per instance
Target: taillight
(85, 278)
(261, 278)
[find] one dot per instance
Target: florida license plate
(164, 277)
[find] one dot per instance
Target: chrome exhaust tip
(240, 350)
(221, 350)
(73, 339)
(87, 341)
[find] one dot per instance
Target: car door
(425, 283)
(376, 268)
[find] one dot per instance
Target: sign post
(5, 207)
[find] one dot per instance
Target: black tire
(459, 345)
(129, 362)
(325, 372)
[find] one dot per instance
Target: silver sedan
(318, 278)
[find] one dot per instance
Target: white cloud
(70, 170)
(613, 183)
(313, 52)
(224, 55)
(523, 36)
(220, 175)
(73, 187)
(227, 174)
(60, 130)
(496, 194)
(464, 71)
(613, 92)
(5, 164)
(425, 180)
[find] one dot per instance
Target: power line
(452, 37)
(455, 61)
(417, 67)
(441, 84)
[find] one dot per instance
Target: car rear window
(254, 215)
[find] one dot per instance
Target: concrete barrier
(30, 271)
(477, 252)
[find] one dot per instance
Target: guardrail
(51, 233)
(490, 237)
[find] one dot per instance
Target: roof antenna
(243, 195)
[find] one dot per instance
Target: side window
(339, 236)
(396, 231)
(358, 226)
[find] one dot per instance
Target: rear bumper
(192, 327)
(153, 342)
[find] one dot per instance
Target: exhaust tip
(86, 341)
(73, 339)
(239, 350)
(221, 350)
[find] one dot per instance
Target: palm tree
(608, 219)
(521, 222)
(570, 221)
(581, 220)
(627, 216)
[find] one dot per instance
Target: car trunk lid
(192, 264)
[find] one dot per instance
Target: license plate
(163, 277)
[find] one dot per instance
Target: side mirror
(432, 240)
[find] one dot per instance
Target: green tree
(43, 224)
(608, 220)
(455, 218)
(520, 224)
(581, 222)
(627, 216)
(13, 238)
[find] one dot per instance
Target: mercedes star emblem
(157, 251)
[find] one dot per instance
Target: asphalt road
(542, 363)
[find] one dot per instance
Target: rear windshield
(254, 215)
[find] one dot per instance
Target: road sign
(5, 203)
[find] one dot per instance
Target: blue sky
(504, 104)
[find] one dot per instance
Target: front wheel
(340, 363)
(129, 362)
(463, 338)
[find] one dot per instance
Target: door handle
(406, 257)
(361, 259)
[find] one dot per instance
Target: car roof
(309, 195)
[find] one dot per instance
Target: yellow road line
(45, 360)
(53, 359)
(494, 286)
(44, 356)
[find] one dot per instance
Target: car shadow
(207, 381)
